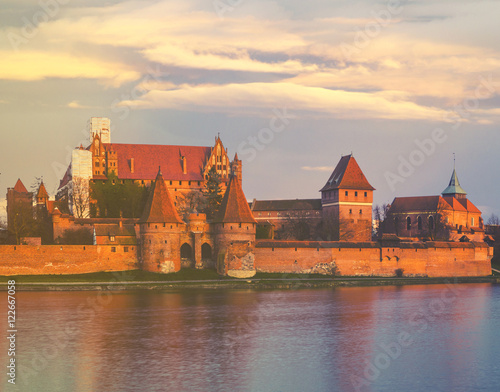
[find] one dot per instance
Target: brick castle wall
(432, 259)
(65, 259)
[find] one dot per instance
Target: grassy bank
(188, 278)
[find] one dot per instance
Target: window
(350, 211)
(240, 226)
(112, 238)
(419, 223)
(472, 221)
(180, 182)
(96, 164)
(408, 223)
(431, 222)
(125, 249)
(346, 193)
(113, 249)
(360, 212)
(356, 194)
(170, 182)
(189, 182)
(366, 194)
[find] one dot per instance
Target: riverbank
(209, 279)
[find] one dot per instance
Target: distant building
(18, 199)
(450, 216)
(185, 168)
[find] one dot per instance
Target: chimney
(121, 224)
(132, 165)
(184, 165)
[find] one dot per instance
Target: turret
(161, 228)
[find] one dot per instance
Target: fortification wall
(433, 259)
(65, 259)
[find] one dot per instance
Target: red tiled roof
(42, 192)
(114, 229)
(19, 187)
(286, 205)
(51, 206)
(347, 175)
(468, 205)
(234, 207)
(418, 204)
(148, 157)
(454, 203)
(160, 207)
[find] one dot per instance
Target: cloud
(76, 105)
(318, 168)
(239, 98)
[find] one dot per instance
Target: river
(390, 338)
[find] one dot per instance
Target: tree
(436, 226)
(297, 227)
(35, 185)
(380, 216)
(335, 228)
(81, 236)
(190, 203)
(493, 220)
(80, 197)
(21, 221)
(212, 193)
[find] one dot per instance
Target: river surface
(410, 338)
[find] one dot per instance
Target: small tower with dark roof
(42, 196)
(236, 168)
(18, 198)
(454, 189)
(160, 228)
(235, 225)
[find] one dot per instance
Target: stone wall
(433, 259)
(65, 259)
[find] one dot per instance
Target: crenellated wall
(65, 259)
(432, 259)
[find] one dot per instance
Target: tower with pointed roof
(454, 189)
(17, 198)
(161, 228)
(346, 201)
(234, 224)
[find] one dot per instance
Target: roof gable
(160, 207)
(418, 204)
(347, 175)
(19, 187)
(469, 206)
(454, 203)
(234, 207)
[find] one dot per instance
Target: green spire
(454, 187)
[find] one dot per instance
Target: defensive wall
(65, 259)
(432, 259)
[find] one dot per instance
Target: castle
(163, 240)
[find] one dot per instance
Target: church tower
(454, 189)
(160, 228)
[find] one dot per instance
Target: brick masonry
(66, 259)
(432, 259)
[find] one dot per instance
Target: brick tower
(235, 229)
(19, 201)
(346, 201)
(160, 228)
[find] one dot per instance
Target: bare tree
(80, 197)
(335, 228)
(435, 224)
(493, 220)
(297, 226)
(21, 221)
(380, 216)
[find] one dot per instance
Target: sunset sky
(290, 85)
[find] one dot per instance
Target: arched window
(419, 223)
(431, 222)
(186, 252)
(206, 251)
(408, 223)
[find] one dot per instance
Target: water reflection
(223, 340)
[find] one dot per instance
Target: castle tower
(100, 126)
(236, 168)
(111, 162)
(234, 222)
(42, 196)
(346, 201)
(160, 228)
(19, 201)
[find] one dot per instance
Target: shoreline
(244, 284)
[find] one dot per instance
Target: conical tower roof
(19, 187)
(160, 207)
(347, 175)
(454, 187)
(42, 192)
(234, 207)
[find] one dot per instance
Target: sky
(291, 86)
